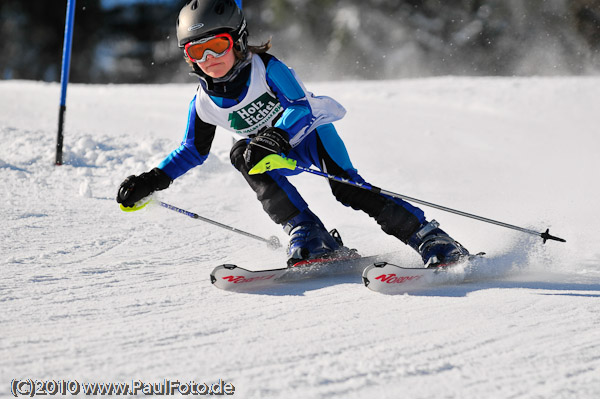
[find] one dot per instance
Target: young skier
(261, 101)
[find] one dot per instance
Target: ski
(389, 278)
(231, 277)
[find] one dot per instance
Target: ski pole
(274, 161)
(272, 242)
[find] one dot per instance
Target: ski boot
(435, 246)
(309, 239)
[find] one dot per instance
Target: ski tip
(366, 271)
(213, 278)
(366, 281)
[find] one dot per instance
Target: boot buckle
(428, 228)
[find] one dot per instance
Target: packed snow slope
(94, 294)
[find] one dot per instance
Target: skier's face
(217, 67)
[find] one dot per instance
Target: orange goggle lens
(217, 46)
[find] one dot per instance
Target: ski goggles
(217, 46)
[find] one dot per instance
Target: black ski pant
(325, 150)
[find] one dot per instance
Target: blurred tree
(587, 20)
(322, 39)
(33, 34)
(120, 44)
(139, 43)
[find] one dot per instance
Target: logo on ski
(243, 279)
(392, 278)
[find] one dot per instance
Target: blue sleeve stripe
(181, 160)
(292, 116)
(297, 115)
(335, 147)
(281, 77)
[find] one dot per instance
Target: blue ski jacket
(298, 112)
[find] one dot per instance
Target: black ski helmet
(199, 18)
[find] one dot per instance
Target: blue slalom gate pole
(239, 3)
(64, 77)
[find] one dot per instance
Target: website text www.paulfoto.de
(32, 387)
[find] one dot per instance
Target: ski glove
(270, 141)
(134, 188)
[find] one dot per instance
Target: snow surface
(95, 294)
